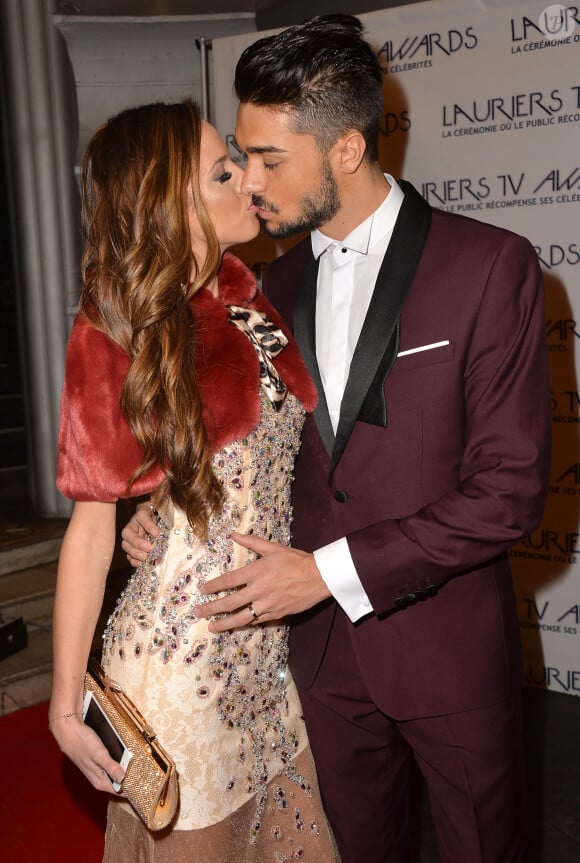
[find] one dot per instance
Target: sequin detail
(238, 674)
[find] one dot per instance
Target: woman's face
(230, 211)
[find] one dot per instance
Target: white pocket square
(423, 348)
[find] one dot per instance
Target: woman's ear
(349, 151)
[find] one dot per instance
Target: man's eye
(227, 175)
(269, 166)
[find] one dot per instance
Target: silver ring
(252, 612)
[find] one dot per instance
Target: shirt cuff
(337, 569)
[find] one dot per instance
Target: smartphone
(94, 717)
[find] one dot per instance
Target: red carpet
(49, 813)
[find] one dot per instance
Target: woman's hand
(85, 749)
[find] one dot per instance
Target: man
(425, 460)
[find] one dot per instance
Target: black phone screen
(96, 719)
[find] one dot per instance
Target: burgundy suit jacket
(440, 462)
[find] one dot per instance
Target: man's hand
(283, 581)
(137, 535)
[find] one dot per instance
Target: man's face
(291, 183)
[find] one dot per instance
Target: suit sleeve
(504, 472)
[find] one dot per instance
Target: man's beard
(315, 210)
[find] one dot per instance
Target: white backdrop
(482, 115)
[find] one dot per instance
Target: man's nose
(252, 183)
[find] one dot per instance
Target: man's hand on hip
(283, 581)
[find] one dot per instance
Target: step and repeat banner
(482, 115)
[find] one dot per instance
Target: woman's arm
(83, 566)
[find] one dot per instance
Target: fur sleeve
(97, 452)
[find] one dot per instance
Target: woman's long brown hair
(136, 272)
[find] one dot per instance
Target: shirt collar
(365, 235)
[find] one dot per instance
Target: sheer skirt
(294, 828)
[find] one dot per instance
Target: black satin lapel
(377, 347)
(305, 335)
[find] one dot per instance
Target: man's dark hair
(324, 73)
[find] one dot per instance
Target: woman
(181, 383)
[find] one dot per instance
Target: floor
(552, 735)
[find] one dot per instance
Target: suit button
(340, 496)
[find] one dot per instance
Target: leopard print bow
(268, 341)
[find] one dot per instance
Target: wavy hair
(137, 280)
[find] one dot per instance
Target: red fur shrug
(97, 452)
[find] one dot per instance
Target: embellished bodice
(232, 686)
(255, 473)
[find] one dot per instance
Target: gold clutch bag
(150, 782)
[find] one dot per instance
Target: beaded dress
(224, 706)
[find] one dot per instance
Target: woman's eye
(227, 175)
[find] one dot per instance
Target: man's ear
(349, 151)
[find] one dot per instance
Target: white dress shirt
(347, 274)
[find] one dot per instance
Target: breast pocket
(414, 358)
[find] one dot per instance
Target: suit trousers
(472, 763)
